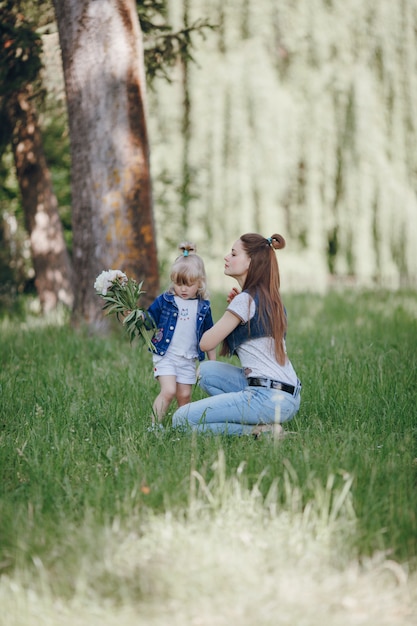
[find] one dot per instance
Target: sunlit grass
(229, 558)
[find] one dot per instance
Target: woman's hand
(232, 293)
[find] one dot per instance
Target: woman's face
(237, 262)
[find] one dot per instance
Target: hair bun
(187, 246)
(278, 242)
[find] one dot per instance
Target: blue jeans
(233, 408)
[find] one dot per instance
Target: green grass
(76, 457)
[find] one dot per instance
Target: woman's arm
(215, 335)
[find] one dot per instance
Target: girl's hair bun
(187, 247)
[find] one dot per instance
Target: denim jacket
(164, 312)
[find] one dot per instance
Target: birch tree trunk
(113, 226)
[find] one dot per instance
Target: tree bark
(113, 224)
(51, 262)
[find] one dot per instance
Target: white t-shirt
(258, 355)
(184, 340)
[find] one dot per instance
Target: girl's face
(237, 262)
(187, 292)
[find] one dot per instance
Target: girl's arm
(215, 335)
(155, 310)
(211, 355)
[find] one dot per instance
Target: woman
(265, 390)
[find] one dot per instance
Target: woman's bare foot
(275, 430)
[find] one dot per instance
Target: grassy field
(103, 522)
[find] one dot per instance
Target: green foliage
(152, 15)
(21, 49)
(164, 46)
(15, 262)
(20, 61)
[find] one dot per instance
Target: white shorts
(182, 368)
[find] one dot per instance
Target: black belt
(271, 384)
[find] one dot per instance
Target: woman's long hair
(263, 280)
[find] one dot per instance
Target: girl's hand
(232, 293)
(211, 355)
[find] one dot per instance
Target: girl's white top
(184, 340)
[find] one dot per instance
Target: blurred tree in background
(20, 92)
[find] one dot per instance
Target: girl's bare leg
(183, 393)
(166, 395)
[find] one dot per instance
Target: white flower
(121, 296)
(105, 280)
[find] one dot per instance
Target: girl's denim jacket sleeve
(164, 313)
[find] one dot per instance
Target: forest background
(291, 117)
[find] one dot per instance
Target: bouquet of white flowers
(121, 295)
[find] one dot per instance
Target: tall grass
(93, 505)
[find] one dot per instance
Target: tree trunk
(51, 262)
(113, 225)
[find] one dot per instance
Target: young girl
(265, 390)
(181, 315)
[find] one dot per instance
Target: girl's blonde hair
(189, 269)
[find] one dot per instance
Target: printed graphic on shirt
(184, 314)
